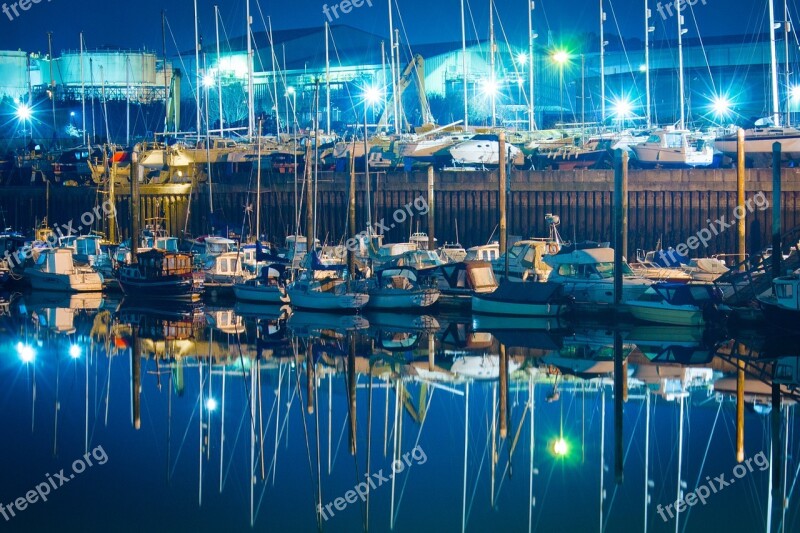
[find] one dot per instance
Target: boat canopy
(585, 256)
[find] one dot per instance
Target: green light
(560, 447)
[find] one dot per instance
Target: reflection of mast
(222, 429)
(466, 449)
(396, 437)
(494, 438)
(252, 445)
(200, 439)
(86, 404)
(680, 461)
(503, 391)
(55, 425)
(531, 405)
(351, 392)
(330, 416)
(646, 454)
(602, 451)
(136, 379)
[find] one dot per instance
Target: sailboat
(759, 139)
(324, 288)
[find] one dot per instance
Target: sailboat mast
(219, 77)
(328, 80)
(258, 184)
(274, 78)
(492, 75)
(83, 99)
(464, 66)
(776, 109)
(787, 28)
(197, 80)
(602, 64)
(52, 81)
(647, 30)
(531, 118)
(128, 102)
(250, 105)
(681, 95)
(393, 69)
(164, 56)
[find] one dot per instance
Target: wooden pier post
(620, 220)
(309, 202)
(136, 378)
(740, 404)
(501, 199)
(134, 202)
(741, 224)
(431, 217)
(503, 391)
(776, 210)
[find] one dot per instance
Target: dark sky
(137, 24)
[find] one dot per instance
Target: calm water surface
(242, 419)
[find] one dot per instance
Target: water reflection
(255, 416)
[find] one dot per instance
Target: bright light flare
(211, 404)
(522, 58)
(372, 95)
(208, 81)
(561, 57)
(489, 87)
(721, 105)
(622, 108)
(26, 353)
(75, 351)
(23, 112)
(795, 92)
(560, 447)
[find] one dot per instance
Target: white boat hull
(266, 295)
(80, 282)
(488, 306)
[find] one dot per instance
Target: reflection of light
(721, 105)
(26, 353)
(560, 447)
(23, 112)
(372, 95)
(622, 108)
(72, 113)
(290, 90)
(211, 404)
(560, 57)
(522, 58)
(489, 87)
(75, 351)
(642, 68)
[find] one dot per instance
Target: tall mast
(647, 30)
(492, 75)
(602, 64)
(166, 82)
(384, 84)
(787, 28)
(197, 80)
(128, 101)
(274, 78)
(250, 105)
(52, 82)
(328, 81)
(776, 109)
(464, 66)
(393, 69)
(681, 95)
(219, 79)
(83, 99)
(258, 186)
(531, 118)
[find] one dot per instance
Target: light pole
(561, 57)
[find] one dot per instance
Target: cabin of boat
(485, 252)
(55, 270)
(525, 260)
(160, 274)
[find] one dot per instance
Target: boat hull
(402, 300)
(183, 288)
(266, 295)
(82, 282)
(488, 306)
(323, 301)
(663, 313)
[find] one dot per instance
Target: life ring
(552, 248)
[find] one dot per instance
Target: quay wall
(671, 205)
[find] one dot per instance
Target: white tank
(115, 68)
(13, 74)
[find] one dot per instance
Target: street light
(561, 57)
(522, 58)
(24, 114)
(622, 109)
(721, 106)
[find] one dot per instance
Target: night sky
(137, 25)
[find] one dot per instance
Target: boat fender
(552, 248)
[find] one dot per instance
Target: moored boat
(678, 304)
(158, 274)
(523, 299)
(55, 270)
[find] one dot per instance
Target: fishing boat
(678, 304)
(54, 270)
(223, 271)
(267, 288)
(523, 299)
(159, 274)
(586, 270)
(782, 308)
(324, 288)
(674, 148)
(400, 289)
(525, 260)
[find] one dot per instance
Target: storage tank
(13, 74)
(119, 68)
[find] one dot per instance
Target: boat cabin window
(784, 291)
(673, 140)
(654, 139)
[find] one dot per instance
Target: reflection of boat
(677, 304)
(56, 271)
(402, 322)
(672, 344)
(309, 323)
(523, 299)
(481, 366)
(261, 310)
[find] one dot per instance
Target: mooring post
(501, 192)
(431, 219)
(620, 220)
(134, 201)
(741, 224)
(776, 210)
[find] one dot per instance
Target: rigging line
(235, 442)
(483, 456)
(281, 73)
(702, 464)
(346, 85)
(183, 63)
(708, 65)
(514, 63)
(183, 440)
(631, 70)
